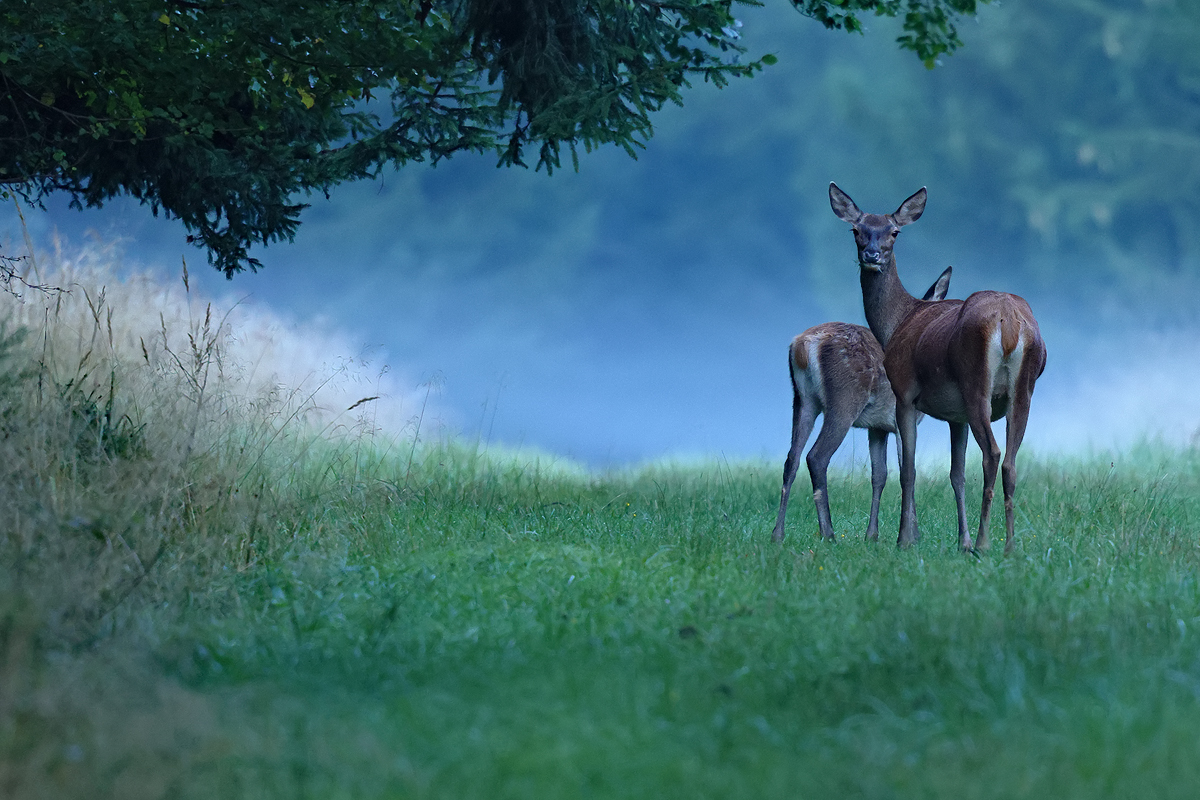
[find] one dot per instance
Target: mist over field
(641, 309)
(228, 567)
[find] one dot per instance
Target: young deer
(837, 370)
(967, 362)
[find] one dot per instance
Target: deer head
(875, 234)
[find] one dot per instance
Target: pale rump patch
(1006, 352)
(806, 366)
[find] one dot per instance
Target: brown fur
(936, 358)
(853, 392)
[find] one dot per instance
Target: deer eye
(895, 232)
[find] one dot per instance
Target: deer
(837, 370)
(966, 362)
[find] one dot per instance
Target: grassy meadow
(216, 585)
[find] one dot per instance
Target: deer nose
(872, 256)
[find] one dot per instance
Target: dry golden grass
(149, 440)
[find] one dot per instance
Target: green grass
(253, 610)
(496, 629)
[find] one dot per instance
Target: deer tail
(1010, 335)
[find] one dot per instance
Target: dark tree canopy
(221, 113)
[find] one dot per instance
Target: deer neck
(885, 300)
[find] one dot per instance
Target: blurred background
(641, 309)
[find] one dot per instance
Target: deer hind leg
(877, 441)
(979, 413)
(1018, 416)
(958, 479)
(804, 416)
(834, 428)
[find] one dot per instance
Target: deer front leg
(804, 414)
(958, 479)
(877, 442)
(906, 425)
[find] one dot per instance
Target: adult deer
(967, 362)
(837, 370)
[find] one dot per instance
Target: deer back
(985, 341)
(839, 364)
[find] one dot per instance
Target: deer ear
(912, 208)
(940, 286)
(843, 206)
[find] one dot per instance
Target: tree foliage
(221, 113)
(1063, 138)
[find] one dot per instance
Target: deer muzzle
(871, 258)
